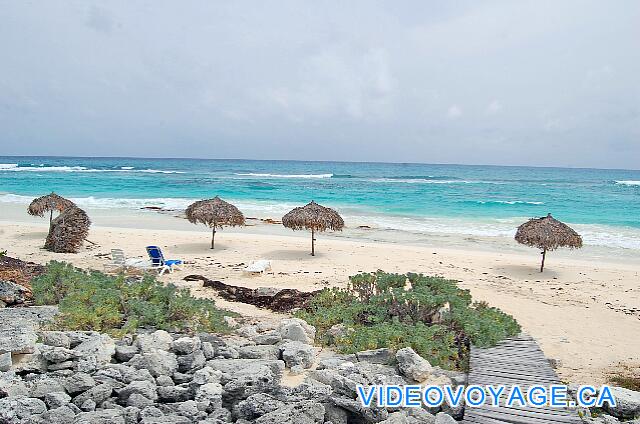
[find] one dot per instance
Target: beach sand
(584, 310)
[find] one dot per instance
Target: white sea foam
(509, 202)
(253, 174)
(596, 235)
(44, 168)
(426, 181)
(16, 168)
(159, 171)
(628, 182)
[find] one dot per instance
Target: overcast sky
(552, 83)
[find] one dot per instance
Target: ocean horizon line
(325, 161)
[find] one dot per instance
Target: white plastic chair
(258, 267)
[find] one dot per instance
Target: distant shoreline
(152, 219)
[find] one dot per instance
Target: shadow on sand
(36, 235)
(200, 248)
(527, 272)
(292, 255)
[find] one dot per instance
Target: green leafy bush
(431, 314)
(117, 305)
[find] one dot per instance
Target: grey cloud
(463, 82)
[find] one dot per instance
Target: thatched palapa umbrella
(68, 230)
(215, 213)
(49, 203)
(547, 233)
(313, 217)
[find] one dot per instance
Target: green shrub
(431, 314)
(117, 305)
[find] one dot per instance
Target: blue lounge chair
(159, 262)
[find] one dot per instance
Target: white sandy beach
(584, 309)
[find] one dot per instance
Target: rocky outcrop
(627, 403)
(158, 377)
(413, 365)
(13, 294)
(18, 336)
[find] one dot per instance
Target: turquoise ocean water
(604, 205)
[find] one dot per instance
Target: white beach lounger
(119, 262)
(258, 267)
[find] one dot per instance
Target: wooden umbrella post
(213, 237)
(544, 254)
(313, 239)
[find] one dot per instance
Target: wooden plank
(505, 416)
(499, 362)
(515, 370)
(510, 354)
(516, 353)
(511, 375)
(551, 411)
(518, 360)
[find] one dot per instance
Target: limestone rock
(297, 330)
(56, 399)
(256, 406)
(627, 403)
(157, 362)
(267, 338)
(159, 339)
(101, 346)
(56, 339)
(210, 394)
(298, 353)
(142, 387)
(12, 293)
(164, 380)
(60, 415)
(206, 375)
(57, 355)
(376, 356)
(40, 387)
(192, 361)
(78, 382)
(20, 407)
(107, 416)
(98, 394)
(5, 361)
(413, 365)
(186, 345)
(259, 352)
(17, 336)
(442, 418)
(305, 412)
(88, 405)
(174, 393)
(124, 353)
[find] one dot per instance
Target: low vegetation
(626, 376)
(431, 314)
(118, 305)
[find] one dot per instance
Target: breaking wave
(13, 167)
(265, 175)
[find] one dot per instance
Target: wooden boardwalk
(517, 360)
